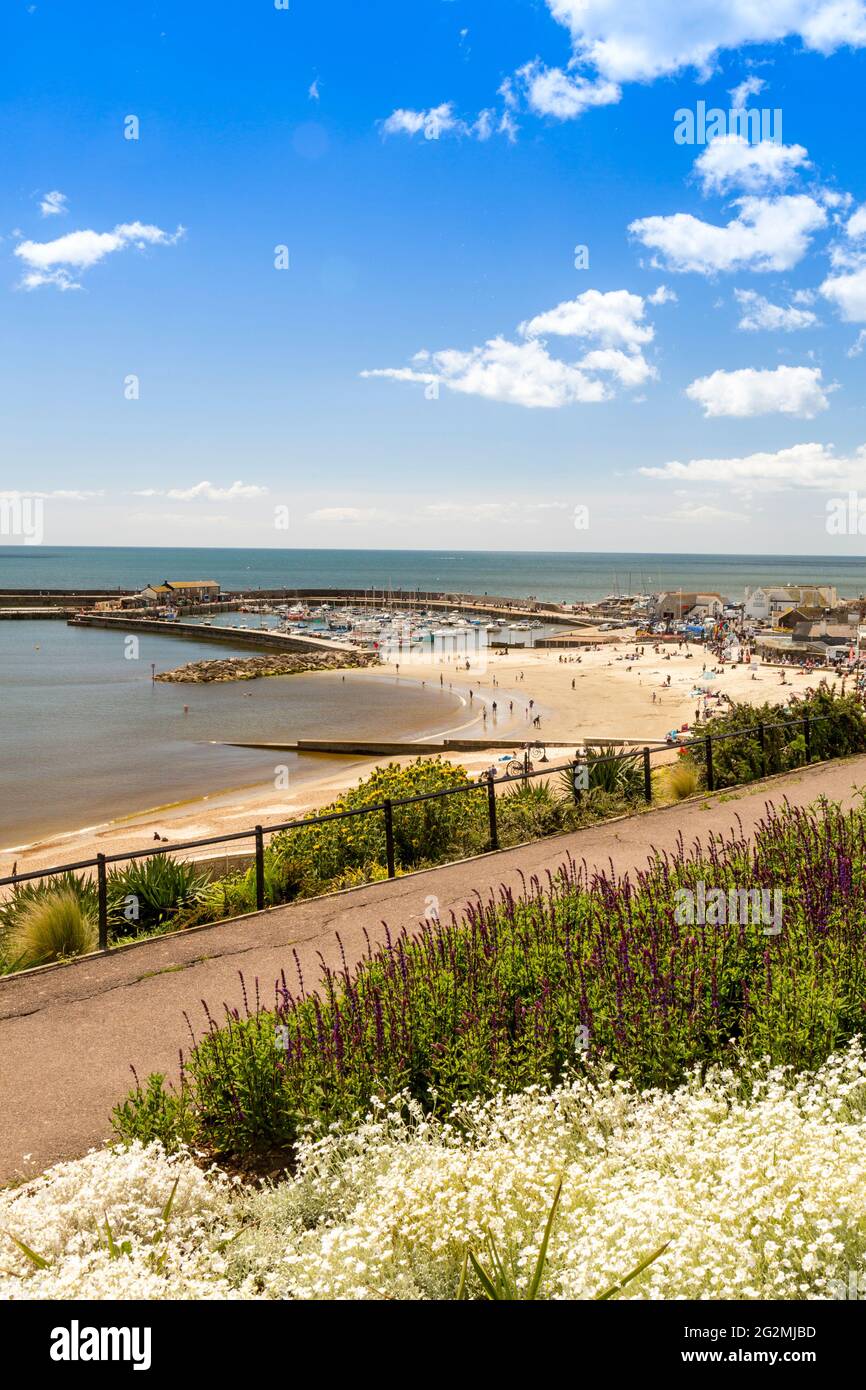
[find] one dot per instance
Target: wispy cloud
(53, 204)
(58, 262)
(205, 491)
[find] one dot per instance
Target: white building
(764, 604)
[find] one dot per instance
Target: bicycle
(521, 764)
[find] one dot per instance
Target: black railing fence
(700, 748)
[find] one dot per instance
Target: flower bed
(758, 1180)
(522, 991)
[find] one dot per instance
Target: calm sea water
(546, 575)
(86, 736)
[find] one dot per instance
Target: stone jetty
(250, 668)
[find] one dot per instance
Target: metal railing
(487, 784)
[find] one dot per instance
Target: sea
(546, 575)
(86, 736)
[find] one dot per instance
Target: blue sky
(431, 168)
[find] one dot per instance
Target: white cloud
(802, 466)
(55, 262)
(858, 344)
(442, 120)
(551, 92)
(702, 514)
(730, 161)
(784, 390)
(750, 87)
(632, 41)
(631, 368)
(525, 373)
(848, 293)
(759, 313)
(53, 204)
(205, 491)
(767, 234)
(614, 318)
(436, 121)
(519, 373)
(508, 127)
(856, 224)
(663, 295)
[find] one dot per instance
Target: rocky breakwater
(250, 668)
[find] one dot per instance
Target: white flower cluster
(758, 1182)
(98, 1222)
(762, 1197)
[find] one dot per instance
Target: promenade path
(69, 1034)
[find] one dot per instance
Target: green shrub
(24, 895)
(531, 810)
(683, 779)
(53, 926)
(611, 769)
(146, 894)
(424, 833)
(837, 729)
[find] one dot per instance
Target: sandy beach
(577, 694)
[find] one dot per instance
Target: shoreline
(249, 801)
(584, 695)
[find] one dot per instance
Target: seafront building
(764, 604)
(678, 605)
(175, 590)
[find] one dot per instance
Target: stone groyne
(250, 668)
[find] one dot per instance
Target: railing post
(491, 812)
(102, 901)
(763, 742)
(647, 777)
(711, 780)
(807, 737)
(260, 868)
(389, 837)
